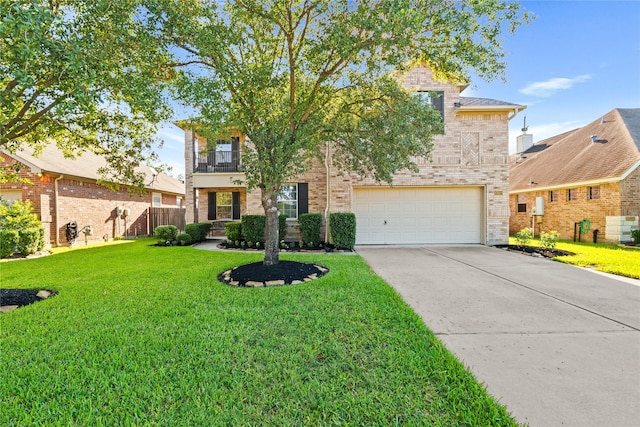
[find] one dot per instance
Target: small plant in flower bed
(549, 240)
(523, 236)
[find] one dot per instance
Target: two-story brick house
(460, 195)
(65, 190)
(590, 173)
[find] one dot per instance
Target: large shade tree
(294, 74)
(85, 75)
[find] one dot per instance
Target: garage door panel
(418, 215)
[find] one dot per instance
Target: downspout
(326, 209)
(194, 162)
(55, 200)
(515, 113)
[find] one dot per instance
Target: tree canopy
(294, 74)
(84, 75)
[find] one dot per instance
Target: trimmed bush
(233, 230)
(31, 240)
(635, 235)
(343, 229)
(253, 227)
(183, 239)
(8, 242)
(20, 218)
(282, 227)
(310, 227)
(166, 233)
(198, 231)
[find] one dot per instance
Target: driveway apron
(558, 345)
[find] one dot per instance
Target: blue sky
(574, 63)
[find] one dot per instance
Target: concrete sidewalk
(558, 345)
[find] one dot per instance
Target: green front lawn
(602, 257)
(142, 335)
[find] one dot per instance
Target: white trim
(34, 168)
(593, 182)
(635, 166)
(568, 185)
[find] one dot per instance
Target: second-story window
(435, 99)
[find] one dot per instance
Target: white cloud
(550, 87)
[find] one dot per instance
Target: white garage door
(418, 215)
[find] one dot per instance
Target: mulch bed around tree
(535, 251)
(15, 298)
(257, 274)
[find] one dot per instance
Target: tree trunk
(271, 232)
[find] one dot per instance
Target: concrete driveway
(558, 345)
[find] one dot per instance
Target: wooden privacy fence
(166, 216)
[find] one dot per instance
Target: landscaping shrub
(8, 242)
(310, 228)
(198, 231)
(253, 227)
(343, 229)
(233, 230)
(282, 226)
(635, 235)
(549, 240)
(31, 240)
(20, 218)
(166, 233)
(184, 239)
(523, 236)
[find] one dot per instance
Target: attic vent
(594, 138)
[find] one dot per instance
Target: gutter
(607, 180)
(55, 200)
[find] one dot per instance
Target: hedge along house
(590, 173)
(65, 190)
(460, 195)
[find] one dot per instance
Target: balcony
(218, 169)
(218, 162)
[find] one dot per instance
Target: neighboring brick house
(589, 173)
(63, 190)
(459, 196)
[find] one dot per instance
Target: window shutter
(212, 205)
(303, 198)
(236, 205)
(235, 151)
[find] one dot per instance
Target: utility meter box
(539, 205)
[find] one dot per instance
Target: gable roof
(573, 158)
(86, 165)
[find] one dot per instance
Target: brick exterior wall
(85, 202)
(630, 194)
(473, 151)
(561, 215)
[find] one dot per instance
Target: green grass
(607, 258)
(143, 335)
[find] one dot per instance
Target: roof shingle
(87, 164)
(574, 157)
